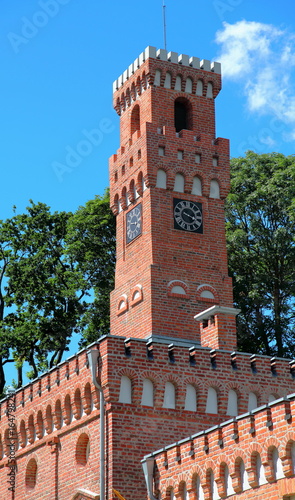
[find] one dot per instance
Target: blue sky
(60, 57)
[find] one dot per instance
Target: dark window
(135, 119)
(182, 115)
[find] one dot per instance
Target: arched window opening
(232, 403)
(199, 90)
(228, 485)
(161, 179)
(277, 465)
(135, 119)
(209, 90)
(206, 294)
(214, 189)
(182, 114)
(169, 396)
(147, 398)
(199, 489)
(213, 487)
(197, 186)
(184, 492)
(259, 470)
(178, 83)
(179, 183)
(189, 85)
(157, 80)
(212, 401)
(167, 83)
(252, 401)
(244, 476)
(190, 398)
(179, 290)
(271, 398)
(125, 390)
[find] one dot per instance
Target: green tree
(261, 250)
(91, 245)
(53, 282)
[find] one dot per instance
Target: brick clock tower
(168, 183)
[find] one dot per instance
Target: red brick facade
(251, 457)
(168, 255)
(164, 375)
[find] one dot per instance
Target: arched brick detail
(31, 429)
(96, 398)
(31, 469)
(138, 183)
(87, 398)
(57, 414)
(210, 464)
(138, 86)
(81, 448)
(48, 418)
(195, 472)
(131, 194)
(205, 287)
(77, 406)
(285, 453)
(180, 283)
(144, 80)
(123, 102)
(180, 170)
(118, 106)
(123, 198)
(22, 434)
(115, 205)
(122, 304)
(39, 424)
(67, 409)
(136, 295)
(220, 476)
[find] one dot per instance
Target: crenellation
(163, 55)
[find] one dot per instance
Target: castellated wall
(250, 457)
(57, 422)
(57, 416)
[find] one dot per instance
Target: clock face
(188, 215)
(133, 223)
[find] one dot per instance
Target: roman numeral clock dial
(188, 215)
(133, 223)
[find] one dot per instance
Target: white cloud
(263, 58)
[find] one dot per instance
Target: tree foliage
(261, 250)
(56, 272)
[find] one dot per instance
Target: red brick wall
(132, 430)
(227, 446)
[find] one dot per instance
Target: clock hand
(189, 215)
